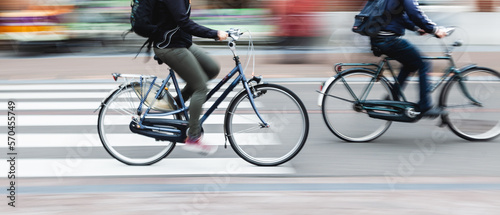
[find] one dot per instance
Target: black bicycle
(359, 104)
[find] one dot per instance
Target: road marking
(78, 167)
(94, 105)
(225, 184)
(62, 87)
(31, 87)
(52, 95)
(128, 139)
(72, 95)
(91, 120)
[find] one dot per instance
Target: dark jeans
(409, 56)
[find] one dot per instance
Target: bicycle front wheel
(277, 143)
(344, 117)
(114, 119)
(472, 99)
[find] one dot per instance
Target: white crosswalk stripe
(71, 106)
(92, 140)
(68, 120)
(90, 106)
(79, 166)
(68, 95)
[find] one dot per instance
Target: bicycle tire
(267, 146)
(342, 117)
(465, 118)
(113, 127)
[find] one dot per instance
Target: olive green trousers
(196, 68)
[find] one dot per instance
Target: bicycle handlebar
(234, 33)
(448, 30)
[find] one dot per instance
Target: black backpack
(141, 17)
(372, 18)
(141, 20)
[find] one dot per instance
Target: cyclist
(173, 45)
(406, 14)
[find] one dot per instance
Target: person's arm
(418, 17)
(177, 9)
(409, 24)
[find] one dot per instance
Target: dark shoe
(434, 112)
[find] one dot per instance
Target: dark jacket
(405, 14)
(175, 28)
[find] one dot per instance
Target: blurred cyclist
(173, 45)
(405, 14)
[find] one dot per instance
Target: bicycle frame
(461, 97)
(236, 71)
(144, 105)
(385, 62)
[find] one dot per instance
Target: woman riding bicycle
(173, 45)
(405, 14)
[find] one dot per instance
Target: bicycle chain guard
(398, 111)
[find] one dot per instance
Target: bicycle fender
(456, 76)
(109, 94)
(323, 89)
(467, 67)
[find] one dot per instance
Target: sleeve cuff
(434, 29)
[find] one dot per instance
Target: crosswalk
(56, 136)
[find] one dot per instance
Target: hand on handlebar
(222, 35)
(421, 32)
(440, 33)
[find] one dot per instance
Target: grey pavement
(225, 194)
(274, 64)
(413, 194)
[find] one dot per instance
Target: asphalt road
(415, 168)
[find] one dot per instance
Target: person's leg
(183, 62)
(210, 67)
(411, 59)
(425, 95)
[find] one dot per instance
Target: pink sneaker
(195, 145)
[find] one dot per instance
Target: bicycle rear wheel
(472, 99)
(115, 116)
(343, 117)
(267, 146)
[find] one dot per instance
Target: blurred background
(68, 169)
(85, 25)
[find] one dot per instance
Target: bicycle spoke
(267, 146)
(343, 117)
(462, 106)
(473, 104)
(256, 120)
(350, 101)
(248, 129)
(116, 137)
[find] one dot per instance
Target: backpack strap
(148, 44)
(125, 33)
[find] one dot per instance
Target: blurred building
(29, 22)
(296, 22)
(290, 22)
